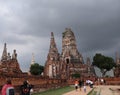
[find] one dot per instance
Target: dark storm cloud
(27, 24)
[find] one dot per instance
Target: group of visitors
(79, 84)
(8, 88)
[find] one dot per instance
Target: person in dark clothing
(25, 88)
(80, 84)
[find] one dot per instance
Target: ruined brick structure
(69, 62)
(9, 64)
(52, 66)
(117, 69)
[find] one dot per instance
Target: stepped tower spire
(117, 69)
(88, 61)
(4, 54)
(53, 47)
(33, 59)
(69, 45)
(117, 58)
(32, 62)
(53, 51)
(52, 63)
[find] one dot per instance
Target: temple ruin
(9, 64)
(69, 62)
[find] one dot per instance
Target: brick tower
(71, 58)
(70, 52)
(52, 63)
(117, 69)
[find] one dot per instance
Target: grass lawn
(58, 91)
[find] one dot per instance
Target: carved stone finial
(14, 55)
(8, 57)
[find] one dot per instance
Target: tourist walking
(76, 84)
(80, 84)
(84, 87)
(8, 89)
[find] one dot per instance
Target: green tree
(76, 75)
(104, 63)
(36, 69)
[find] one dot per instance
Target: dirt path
(104, 90)
(109, 90)
(78, 92)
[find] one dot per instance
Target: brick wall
(41, 83)
(38, 83)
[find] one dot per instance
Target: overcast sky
(26, 25)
